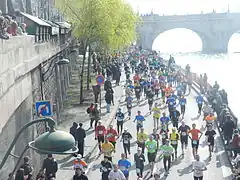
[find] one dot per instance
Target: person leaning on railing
(3, 34)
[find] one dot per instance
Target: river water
(223, 68)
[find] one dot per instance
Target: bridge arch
(186, 40)
(149, 31)
(234, 42)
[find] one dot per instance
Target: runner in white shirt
(198, 168)
(116, 174)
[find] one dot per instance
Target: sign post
(100, 81)
(43, 108)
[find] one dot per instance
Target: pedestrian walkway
(79, 115)
(218, 167)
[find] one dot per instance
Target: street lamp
(51, 142)
(63, 61)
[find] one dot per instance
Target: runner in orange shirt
(210, 120)
(79, 162)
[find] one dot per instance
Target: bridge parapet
(189, 17)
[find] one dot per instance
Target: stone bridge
(214, 29)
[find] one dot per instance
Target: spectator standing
(50, 166)
(108, 99)
(73, 130)
(228, 128)
(27, 168)
(236, 143)
(96, 115)
(20, 175)
(3, 34)
(80, 136)
(90, 113)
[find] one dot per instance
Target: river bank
(222, 68)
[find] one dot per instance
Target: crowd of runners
(163, 86)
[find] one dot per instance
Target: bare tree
(3, 6)
(6, 7)
(10, 7)
(21, 5)
(29, 6)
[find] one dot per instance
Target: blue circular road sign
(100, 79)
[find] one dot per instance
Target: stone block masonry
(19, 58)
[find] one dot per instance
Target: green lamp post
(51, 142)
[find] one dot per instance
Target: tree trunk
(10, 7)
(29, 6)
(89, 66)
(82, 73)
(20, 5)
(3, 6)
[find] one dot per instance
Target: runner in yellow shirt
(156, 115)
(141, 139)
(107, 149)
(174, 137)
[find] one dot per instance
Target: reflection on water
(223, 68)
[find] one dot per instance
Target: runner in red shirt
(196, 134)
(136, 78)
(111, 135)
(100, 132)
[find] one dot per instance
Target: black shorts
(119, 123)
(184, 139)
(151, 157)
(195, 145)
(100, 139)
(174, 146)
(211, 142)
(109, 158)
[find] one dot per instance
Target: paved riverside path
(65, 171)
(218, 167)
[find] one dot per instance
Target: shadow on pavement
(185, 170)
(89, 131)
(197, 117)
(177, 161)
(104, 114)
(64, 159)
(96, 167)
(207, 160)
(67, 164)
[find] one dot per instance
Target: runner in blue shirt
(179, 90)
(124, 165)
(164, 119)
(171, 102)
(129, 101)
(139, 118)
(182, 101)
(174, 96)
(199, 100)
